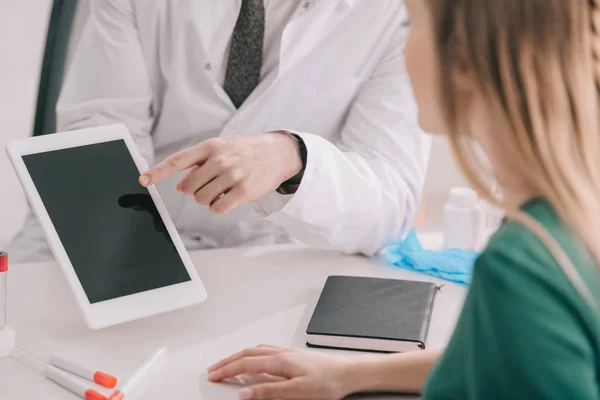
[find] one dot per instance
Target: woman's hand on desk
(305, 374)
(302, 374)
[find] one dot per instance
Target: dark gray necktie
(245, 54)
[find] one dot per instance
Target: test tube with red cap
(3, 289)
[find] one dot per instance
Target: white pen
(101, 378)
(72, 383)
(154, 362)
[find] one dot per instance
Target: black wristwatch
(291, 185)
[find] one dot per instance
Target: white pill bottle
(468, 221)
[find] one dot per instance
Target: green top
(524, 331)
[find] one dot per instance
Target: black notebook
(372, 314)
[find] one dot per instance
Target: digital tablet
(113, 238)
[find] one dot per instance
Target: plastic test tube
(72, 384)
(155, 361)
(101, 378)
(3, 289)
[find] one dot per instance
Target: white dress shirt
(333, 71)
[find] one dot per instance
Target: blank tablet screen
(106, 221)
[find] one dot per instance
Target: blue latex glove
(452, 264)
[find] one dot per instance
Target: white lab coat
(341, 83)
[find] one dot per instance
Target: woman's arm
(401, 373)
(310, 374)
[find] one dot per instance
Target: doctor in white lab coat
(332, 73)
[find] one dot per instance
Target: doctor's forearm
(399, 373)
(348, 201)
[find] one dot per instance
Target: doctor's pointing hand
(226, 171)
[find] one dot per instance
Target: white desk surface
(255, 295)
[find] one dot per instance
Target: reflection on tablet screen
(108, 223)
(143, 202)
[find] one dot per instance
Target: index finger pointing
(175, 163)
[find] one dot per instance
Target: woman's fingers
(265, 364)
(262, 350)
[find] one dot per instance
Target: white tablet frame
(122, 309)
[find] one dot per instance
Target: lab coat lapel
(309, 25)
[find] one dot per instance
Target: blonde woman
(520, 79)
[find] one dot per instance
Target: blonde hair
(536, 64)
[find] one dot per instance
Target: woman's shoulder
(521, 309)
(516, 253)
(512, 234)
